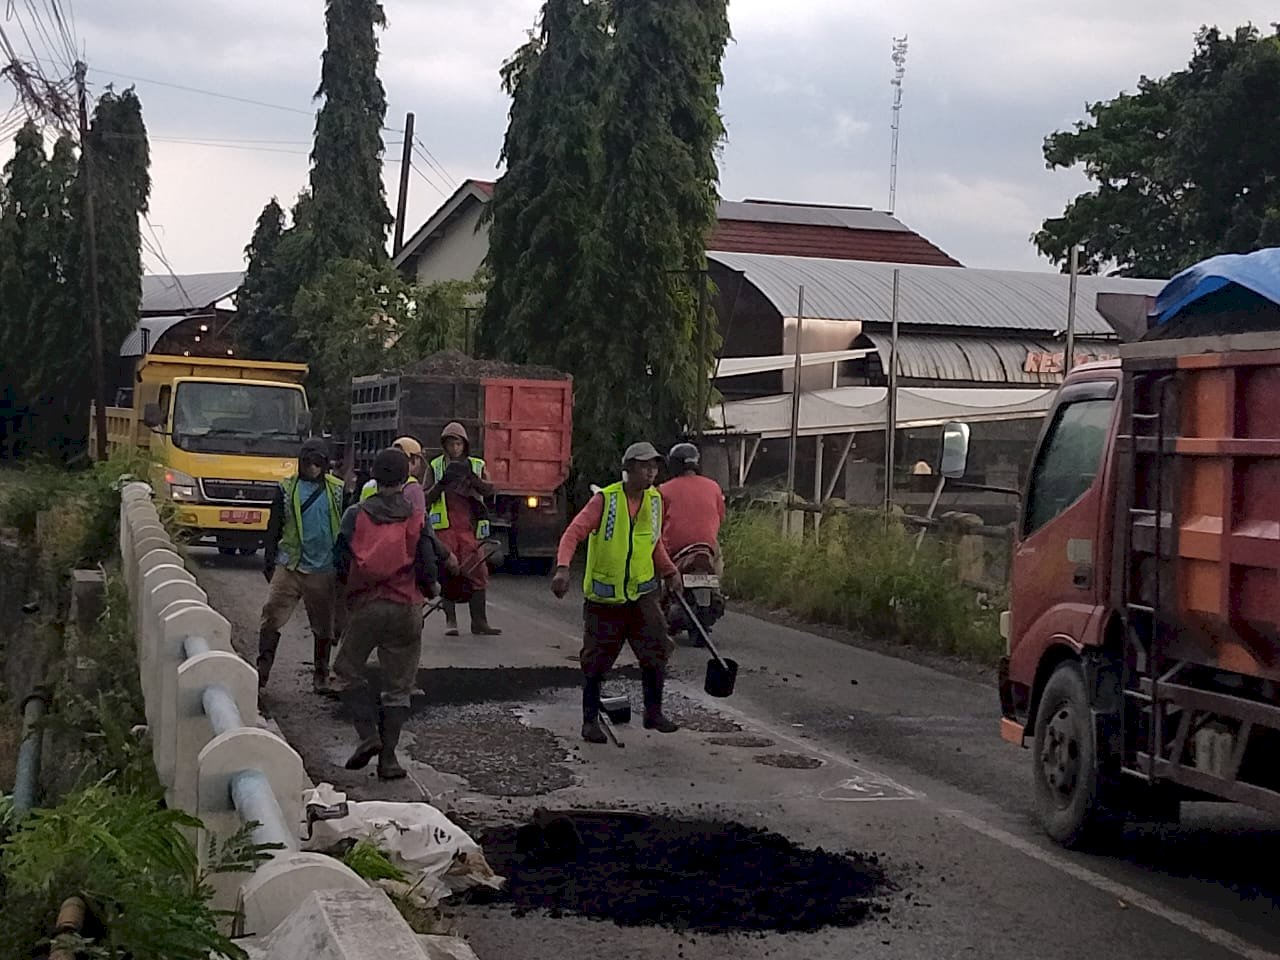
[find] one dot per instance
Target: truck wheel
(1068, 781)
(227, 551)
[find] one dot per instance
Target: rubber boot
(480, 617)
(651, 679)
(591, 731)
(320, 680)
(268, 642)
(450, 618)
(364, 717)
(391, 722)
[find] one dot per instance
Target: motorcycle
(696, 565)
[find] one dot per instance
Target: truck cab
(223, 434)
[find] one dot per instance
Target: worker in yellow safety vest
(627, 566)
(458, 515)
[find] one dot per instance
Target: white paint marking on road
(1135, 898)
(1113, 888)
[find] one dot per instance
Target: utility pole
(1069, 357)
(406, 161)
(891, 402)
(704, 389)
(795, 401)
(91, 245)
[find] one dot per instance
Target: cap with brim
(390, 467)
(410, 446)
(642, 452)
(314, 451)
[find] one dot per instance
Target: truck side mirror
(955, 450)
(153, 416)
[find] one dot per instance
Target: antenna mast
(899, 69)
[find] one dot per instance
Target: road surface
(830, 744)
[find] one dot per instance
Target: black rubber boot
(480, 617)
(450, 618)
(268, 642)
(320, 680)
(651, 679)
(391, 722)
(591, 731)
(364, 717)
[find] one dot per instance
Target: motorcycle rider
(692, 505)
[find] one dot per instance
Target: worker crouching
(389, 561)
(626, 566)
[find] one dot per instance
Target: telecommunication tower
(899, 69)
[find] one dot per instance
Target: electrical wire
(414, 167)
(430, 158)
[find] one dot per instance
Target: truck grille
(238, 491)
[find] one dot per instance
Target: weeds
(862, 576)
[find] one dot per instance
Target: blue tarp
(1258, 272)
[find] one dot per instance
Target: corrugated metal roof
(930, 296)
(835, 243)
(813, 215)
(154, 328)
(979, 359)
(187, 292)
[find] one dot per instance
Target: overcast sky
(806, 100)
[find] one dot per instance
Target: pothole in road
(461, 685)
(788, 761)
(704, 875)
(746, 740)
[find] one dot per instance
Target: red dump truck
(1143, 639)
(519, 419)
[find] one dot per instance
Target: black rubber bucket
(722, 674)
(617, 709)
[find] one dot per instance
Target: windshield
(231, 417)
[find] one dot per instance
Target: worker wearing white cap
(413, 491)
(626, 566)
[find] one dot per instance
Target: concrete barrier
(213, 759)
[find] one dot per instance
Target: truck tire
(1066, 767)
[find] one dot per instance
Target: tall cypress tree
(660, 132)
(544, 204)
(261, 302)
(122, 187)
(350, 205)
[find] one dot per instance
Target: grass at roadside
(861, 576)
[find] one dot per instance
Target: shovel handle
(706, 637)
(608, 729)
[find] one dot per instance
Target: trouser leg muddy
(480, 616)
(390, 724)
(364, 717)
(591, 731)
(651, 679)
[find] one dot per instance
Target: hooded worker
(301, 532)
(461, 521)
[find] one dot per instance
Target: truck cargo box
(523, 428)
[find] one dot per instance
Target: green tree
(600, 222)
(263, 299)
(350, 211)
(122, 187)
(1185, 168)
(545, 204)
(43, 340)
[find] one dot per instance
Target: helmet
(683, 456)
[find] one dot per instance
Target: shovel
(722, 674)
(617, 709)
(607, 724)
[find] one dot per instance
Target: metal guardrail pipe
(27, 776)
(255, 800)
(251, 791)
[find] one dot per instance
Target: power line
(430, 158)
(414, 167)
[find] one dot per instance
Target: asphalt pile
(700, 875)
(456, 364)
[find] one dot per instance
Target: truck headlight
(182, 487)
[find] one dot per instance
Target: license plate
(240, 516)
(707, 580)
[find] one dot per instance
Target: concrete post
(192, 731)
(160, 590)
(278, 888)
(179, 620)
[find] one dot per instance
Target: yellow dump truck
(223, 433)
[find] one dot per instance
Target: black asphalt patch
(462, 685)
(702, 875)
(745, 740)
(788, 761)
